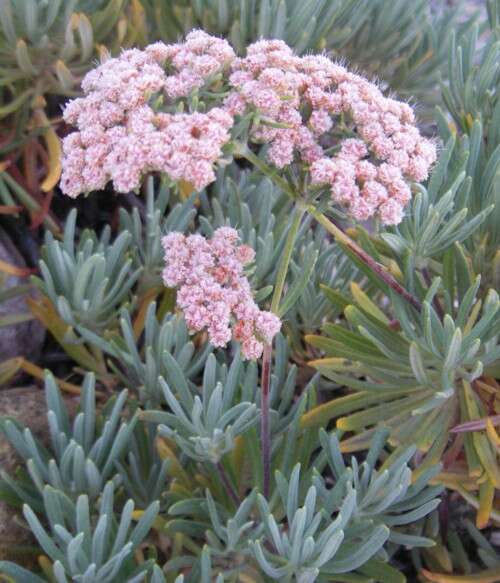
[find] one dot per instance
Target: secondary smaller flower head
(213, 291)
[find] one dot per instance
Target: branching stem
(333, 229)
(340, 237)
(376, 267)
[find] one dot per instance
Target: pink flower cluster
(305, 106)
(364, 188)
(200, 57)
(120, 135)
(213, 291)
(300, 101)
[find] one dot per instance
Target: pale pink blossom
(198, 58)
(320, 121)
(120, 136)
(213, 291)
(310, 111)
(353, 150)
(302, 97)
(391, 212)
(234, 104)
(374, 193)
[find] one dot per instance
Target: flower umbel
(121, 135)
(137, 117)
(213, 291)
(309, 104)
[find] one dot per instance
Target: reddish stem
(384, 275)
(374, 266)
(265, 429)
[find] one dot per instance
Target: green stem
(339, 235)
(376, 267)
(265, 428)
(246, 153)
(286, 257)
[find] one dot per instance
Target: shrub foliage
(382, 456)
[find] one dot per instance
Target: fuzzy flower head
(299, 101)
(213, 291)
(121, 133)
(303, 108)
